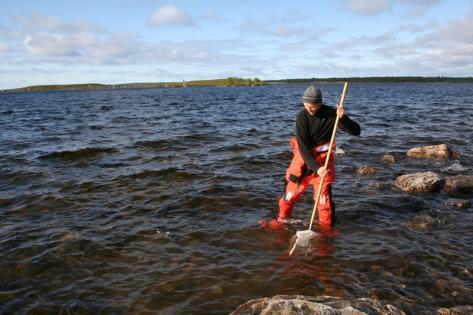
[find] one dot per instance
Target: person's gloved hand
(322, 171)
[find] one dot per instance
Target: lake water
(123, 201)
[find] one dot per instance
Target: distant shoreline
(240, 82)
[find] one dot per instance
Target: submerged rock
(421, 222)
(440, 151)
(389, 158)
(377, 186)
(4, 202)
(418, 182)
(327, 305)
(459, 184)
(455, 155)
(427, 220)
(367, 170)
(457, 203)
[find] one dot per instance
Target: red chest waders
(298, 181)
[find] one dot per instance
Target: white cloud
(367, 7)
(211, 16)
(414, 8)
(4, 47)
(53, 45)
(276, 30)
(291, 24)
(418, 7)
(169, 15)
(419, 28)
(63, 44)
(442, 50)
(40, 22)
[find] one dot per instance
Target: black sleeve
(350, 126)
(303, 140)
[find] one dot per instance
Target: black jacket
(315, 130)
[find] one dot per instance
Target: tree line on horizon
(236, 81)
(388, 79)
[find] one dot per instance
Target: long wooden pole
(342, 99)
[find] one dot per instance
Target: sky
(123, 41)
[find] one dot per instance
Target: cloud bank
(169, 15)
(271, 47)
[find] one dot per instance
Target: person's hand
(340, 111)
(322, 171)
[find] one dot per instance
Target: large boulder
(440, 151)
(302, 305)
(418, 182)
(459, 184)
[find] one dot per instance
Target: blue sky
(58, 42)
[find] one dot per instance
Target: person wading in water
(314, 126)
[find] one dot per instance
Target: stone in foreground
(457, 203)
(459, 184)
(302, 305)
(440, 151)
(418, 182)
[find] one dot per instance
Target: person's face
(312, 108)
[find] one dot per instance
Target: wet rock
(389, 158)
(457, 203)
(440, 151)
(377, 186)
(457, 310)
(455, 155)
(4, 202)
(421, 222)
(367, 170)
(428, 219)
(418, 182)
(459, 184)
(299, 304)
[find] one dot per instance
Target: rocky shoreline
(457, 187)
(427, 181)
(330, 305)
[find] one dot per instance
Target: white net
(303, 239)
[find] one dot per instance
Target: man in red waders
(314, 127)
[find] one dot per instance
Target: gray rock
(457, 203)
(305, 305)
(418, 182)
(459, 184)
(440, 151)
(457, 310)
(421, 222)
(367, 170)
(389, 158)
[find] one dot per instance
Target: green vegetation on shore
(234, 81)
(231, 81)
(405, 79)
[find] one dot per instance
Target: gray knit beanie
(312, 95)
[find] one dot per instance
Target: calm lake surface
(123, 201)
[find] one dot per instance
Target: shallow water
(121, 201)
